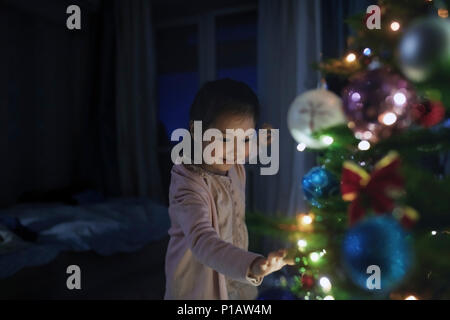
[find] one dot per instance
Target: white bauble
(312, 111)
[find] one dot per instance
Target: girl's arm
(190, 209)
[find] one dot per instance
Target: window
(184, 61)
(236, 47)
(177, 74)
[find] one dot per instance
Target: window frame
(206, 26)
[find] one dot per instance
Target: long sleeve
(190, 208)
(253, 279)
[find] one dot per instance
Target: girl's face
(233, 122)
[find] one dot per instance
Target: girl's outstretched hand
(274, 262)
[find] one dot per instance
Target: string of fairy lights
(305, 224)
(399, 98)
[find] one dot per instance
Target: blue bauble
(379, 241)
(276, 294)
(319, 183)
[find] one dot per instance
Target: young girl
(207, 256)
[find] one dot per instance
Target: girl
(207, 255)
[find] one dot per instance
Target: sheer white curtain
(288, 44)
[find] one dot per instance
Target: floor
(137, 275)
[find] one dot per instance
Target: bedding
(107, 228)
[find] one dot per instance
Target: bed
(119, 246)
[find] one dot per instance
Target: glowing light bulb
(399, 98)
(356, 97)
(443, 13)
(301, 147)
(314, 256)
(364, 145)
(388, 118)
(411, 298)
(367, 135)
(433, 233)
(351, 57)
(306, 219)
(328, 298)
(395, 26)
(327, 140)
(304, 222)
(325, 284)
(302, 244)
(367, 52)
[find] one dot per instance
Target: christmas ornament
(375, 191)
(319, 183)
(424, 51)
(377, 103)
(312, 111)
(428, 113)
(379, 242)
(276, 294)
(407, 216)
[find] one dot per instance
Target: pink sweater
(198, 260)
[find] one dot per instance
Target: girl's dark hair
(224, 96)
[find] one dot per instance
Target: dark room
(250, 150)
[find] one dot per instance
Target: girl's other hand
(274, 262)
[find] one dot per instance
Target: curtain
(289, 40)
(129, 139)
(293, 35)
(47, 84)
(78, 108)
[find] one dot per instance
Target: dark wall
(47, 108)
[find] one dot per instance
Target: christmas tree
(379, 220)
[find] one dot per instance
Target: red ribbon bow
(374, 190)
